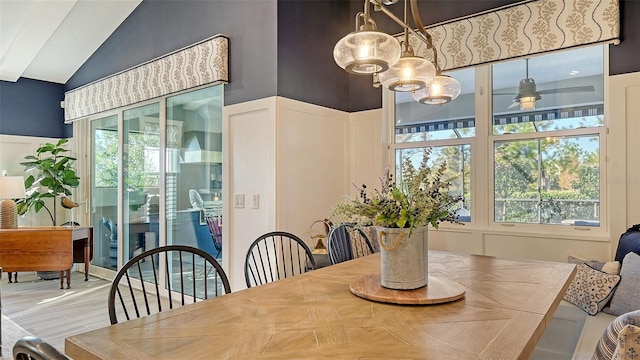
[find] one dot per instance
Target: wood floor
(52, 314)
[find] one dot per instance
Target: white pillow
(591, 289)
(611, 267)
(628, 347)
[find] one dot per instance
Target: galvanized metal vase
(405, 260)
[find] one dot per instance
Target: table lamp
(11, 187)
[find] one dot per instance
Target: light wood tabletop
(506, 307)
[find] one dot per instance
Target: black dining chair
(346, 242)
(276, 255)
(33, 348)
(191, 275)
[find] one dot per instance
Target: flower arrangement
(421, 197)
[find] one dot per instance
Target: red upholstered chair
(216, 233)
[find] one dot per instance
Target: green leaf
(62, 142)
(48, 147)
(29, 181)
(22, 208)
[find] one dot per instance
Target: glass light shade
(442, 90)
(410, 73)
(366, 52)
(528, 103)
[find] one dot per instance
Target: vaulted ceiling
(50, 39)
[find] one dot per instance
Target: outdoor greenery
(420, 197)
(54, 171)
(547, 180)
(542, 179)
(137, 174)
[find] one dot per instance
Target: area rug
(11, 332)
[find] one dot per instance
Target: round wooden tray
(438, 290)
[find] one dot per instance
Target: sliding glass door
(194, 185)
(104, 191)
(158, 166)
(141, 179)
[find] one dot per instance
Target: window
(547, 180)
(541, 146)
(449, 131)
(458, 159)
(547, 152)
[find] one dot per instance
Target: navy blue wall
(624, 57)
(307, 32)
(32, 108)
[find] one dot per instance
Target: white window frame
(482, 162)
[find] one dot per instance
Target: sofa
(600, 308)
(571, 334)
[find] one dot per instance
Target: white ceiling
(50, 39)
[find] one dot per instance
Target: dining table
(505, 308)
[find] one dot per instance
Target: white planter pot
(405, 260)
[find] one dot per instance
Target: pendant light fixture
(443, 89)
(527, 94)
(368, 51)
(411, 72)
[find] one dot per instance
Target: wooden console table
(43, 248)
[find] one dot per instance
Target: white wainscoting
(312, 167)
(249, 158)
(294, 157)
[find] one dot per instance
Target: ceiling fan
(528, 95)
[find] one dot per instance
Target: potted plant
(401, 211)
(53, 171)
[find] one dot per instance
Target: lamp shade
(410, 73)
(366, 52)
(527, 103)
(442, 90)
(11, 187)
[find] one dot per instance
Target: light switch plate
(238, 200)
(255, 201)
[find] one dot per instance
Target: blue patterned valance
(205, 63)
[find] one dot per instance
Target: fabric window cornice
(521, 30)
(204, 63)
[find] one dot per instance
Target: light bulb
(365, 49)
(436, 88)
(528, 103)
(406, 73)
